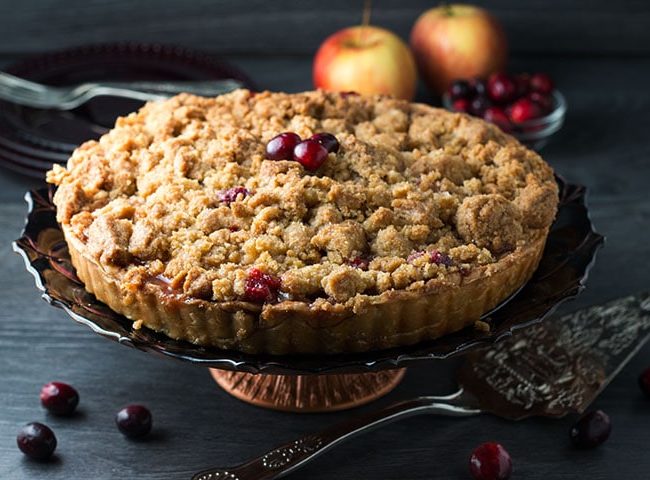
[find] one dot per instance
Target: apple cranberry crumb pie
(303, 223)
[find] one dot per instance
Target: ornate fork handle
(291, 456)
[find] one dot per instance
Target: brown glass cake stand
(314, 383)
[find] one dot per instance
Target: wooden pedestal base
(308, 393)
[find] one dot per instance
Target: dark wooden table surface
(604, 145)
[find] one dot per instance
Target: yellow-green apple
(368, 60)
(457, 41)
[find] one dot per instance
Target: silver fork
(32, 94)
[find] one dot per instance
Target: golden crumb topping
(181, 191)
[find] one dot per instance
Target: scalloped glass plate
(570, 251)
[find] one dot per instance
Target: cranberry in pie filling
(310, 222)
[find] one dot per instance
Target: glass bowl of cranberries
(527, 106)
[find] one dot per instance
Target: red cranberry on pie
(261, 287)
(542, 83)
(232, 194)
(434, 256)
(490, 461)
(414, 255)
(281, 146)
(440, 258)
(361, 262)
(501, 88)
(524, 110)
(327, 140)
(310, 154)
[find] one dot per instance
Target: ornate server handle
(289, 457)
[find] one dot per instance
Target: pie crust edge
(391, 319)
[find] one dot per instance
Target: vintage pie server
(551, 369)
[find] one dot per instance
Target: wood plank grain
(283, 26)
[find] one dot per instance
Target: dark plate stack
(31, 140)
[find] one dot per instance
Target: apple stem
(447, 9)
(367, 7)
(365, 20)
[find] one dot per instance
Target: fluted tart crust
(422, 221)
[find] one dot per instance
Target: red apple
(368, 60)
(457, 41)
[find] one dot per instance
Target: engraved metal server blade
(550, 369)
(559, 366)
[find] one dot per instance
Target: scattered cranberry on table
(644, 382)
(134, 421)
(59, 398)
(490, 461)
(261, 287)
(281, 146)
(37, 441)
(503, 99)
(591, 429)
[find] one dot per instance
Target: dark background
(599, 54)
(282, 27)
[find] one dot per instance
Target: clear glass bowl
(533, 133)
